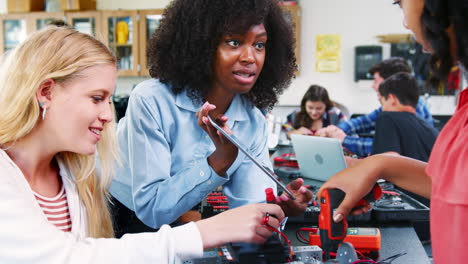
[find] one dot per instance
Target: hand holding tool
(331, 233)
(237, 143)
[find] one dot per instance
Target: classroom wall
(357, 21)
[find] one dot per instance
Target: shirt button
(202, 173)
(209, 182)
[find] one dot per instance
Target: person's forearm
(165, 198)
(407, 173)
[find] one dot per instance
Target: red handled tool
(270, 196)
(331, 233)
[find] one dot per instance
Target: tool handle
(331, 233)
(270, 196)
(330, 200)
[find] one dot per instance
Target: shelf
(123, 45)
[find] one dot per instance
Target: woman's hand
(356, 181)
(299, 131)
(302, 194)
(225, 153)
(242, 224)
(304, 131)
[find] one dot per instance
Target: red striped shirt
(56, 210)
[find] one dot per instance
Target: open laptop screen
(319, 158)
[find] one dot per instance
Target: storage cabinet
(39, 20)
(13, 30)
(121, 36)
(86, 22)
(15, 27)
(149, 22)
(292, 14)
(125, 32)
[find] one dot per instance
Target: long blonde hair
(61, 54)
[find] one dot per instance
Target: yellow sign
(328, 53)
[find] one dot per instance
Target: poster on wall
(328, 53)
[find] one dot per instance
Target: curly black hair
(181, 51)
(390, 66)
(437, 17)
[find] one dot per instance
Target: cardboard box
(77, 5)
(21, 6)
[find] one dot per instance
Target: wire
(302, 239)
(271, 228)
(367, 261)
(360, 254)
(391, 258)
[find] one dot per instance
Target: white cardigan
(27, 237)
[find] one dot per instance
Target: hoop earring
(44, 109)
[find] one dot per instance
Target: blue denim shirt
(164, 155)
(362, 146)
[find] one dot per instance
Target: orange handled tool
(331, 233)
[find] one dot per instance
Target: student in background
(398, 129)
(317, 111)
(55, 92)
(440, 27)
(346, 131)
(207, 57)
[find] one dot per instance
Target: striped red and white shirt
(56, 210)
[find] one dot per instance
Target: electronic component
(308, 254)
(216, 202)
(286, 160)
(346, 253)
(220, 255)
(364, 239)
(273, 251)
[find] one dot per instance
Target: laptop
(319, 158)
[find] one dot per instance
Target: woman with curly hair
(317, 111)
(227, 59)
(441, 27)
(57, 113)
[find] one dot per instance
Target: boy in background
(345, 131)
(398, 129)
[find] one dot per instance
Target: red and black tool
(331, 233)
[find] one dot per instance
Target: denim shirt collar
(236, 112)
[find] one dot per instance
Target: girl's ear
(43, 93)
